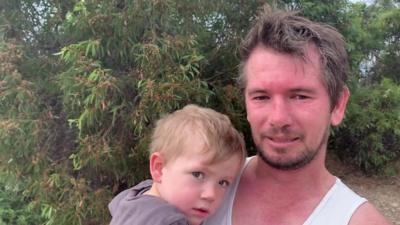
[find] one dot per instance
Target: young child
(195, 154)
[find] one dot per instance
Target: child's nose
(209, 192)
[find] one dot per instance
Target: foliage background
(82, 81)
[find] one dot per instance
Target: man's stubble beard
(306, 156)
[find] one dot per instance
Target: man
(293, 75)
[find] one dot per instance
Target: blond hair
(173, 133)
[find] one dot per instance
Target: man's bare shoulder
(367, 214)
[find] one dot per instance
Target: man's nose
(280, 113)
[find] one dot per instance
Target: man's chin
(288, 164)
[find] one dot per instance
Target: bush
(81, 83)
(16, 208)
(370, 133)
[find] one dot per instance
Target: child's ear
(157, 163)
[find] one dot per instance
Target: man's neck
(280, 197)
(312, 179)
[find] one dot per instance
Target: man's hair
(174, 133)
(288, 33)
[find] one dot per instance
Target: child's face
(196, 187)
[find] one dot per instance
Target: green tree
(370, 133)
(81, 83)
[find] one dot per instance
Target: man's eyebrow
(296, 89)
(302, 90)
(257, 91)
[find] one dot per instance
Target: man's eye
(198, 175)
(224, 183)
(260, 97)
(300, 97)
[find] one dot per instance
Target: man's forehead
(265, 58)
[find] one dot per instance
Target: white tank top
(336, 208)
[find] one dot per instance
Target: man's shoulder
(367, 214)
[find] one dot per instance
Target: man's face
(288, 107)
(195, 186)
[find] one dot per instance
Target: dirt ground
(383, 192)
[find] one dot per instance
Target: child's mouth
(201, 212)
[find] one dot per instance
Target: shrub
(370, 133)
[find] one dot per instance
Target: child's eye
(224, 183)
(198, 175)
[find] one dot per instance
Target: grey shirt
(132, 207)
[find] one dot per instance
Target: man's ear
(157, 163)
(340, 107)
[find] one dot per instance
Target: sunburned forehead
(267, 62)
(310, 57)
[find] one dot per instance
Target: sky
(368, 2)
